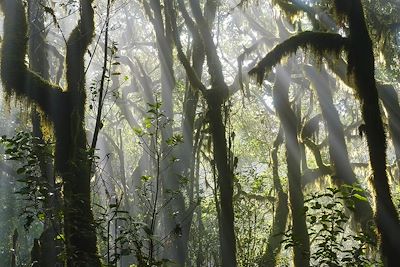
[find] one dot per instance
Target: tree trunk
(343, 173)
(215, 98)
(49, 246)
(390, 100)
(65, 109)
(281, 213)
(361, 65)
(289, 123)
(224, 182)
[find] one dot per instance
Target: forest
(143, 133)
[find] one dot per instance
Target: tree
(301, 246)
(65, 110)
(361, 65)
(215, 98)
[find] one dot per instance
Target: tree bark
(49, 246)
(343, 172)
(215, 98)
(361, 65)
(65, 109)
(281, 214)
(289, 123)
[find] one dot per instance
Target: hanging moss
(319, 43)
(291, 10)
(66, 111)
(17, 79)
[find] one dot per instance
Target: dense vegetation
(200, 133)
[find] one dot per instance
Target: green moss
(288, 8)
(17, 79)
(319, 43)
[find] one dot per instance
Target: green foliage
(124, 234)
(30, 152)
(332, 242)
(151, 137)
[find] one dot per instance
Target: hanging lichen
(319, 44)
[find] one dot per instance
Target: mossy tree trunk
(49, 246)
(215, 98)
(65, 109)
(361, 65)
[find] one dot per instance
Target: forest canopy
(199, 133)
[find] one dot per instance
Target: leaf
(138, 131)
(360, 197)
(21, 170)
(147, 123)
(330, 205)
(41, 216)
(317, 206)
(145, 178)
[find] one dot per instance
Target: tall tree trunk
(215, 98)
(289, 123)
(281, 213)
(225, 183)
(49, 246)
(343, 173)
(74, 165)
(65, 109)
(361, 65)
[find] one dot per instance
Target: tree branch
(320, 43)
(17, 78)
